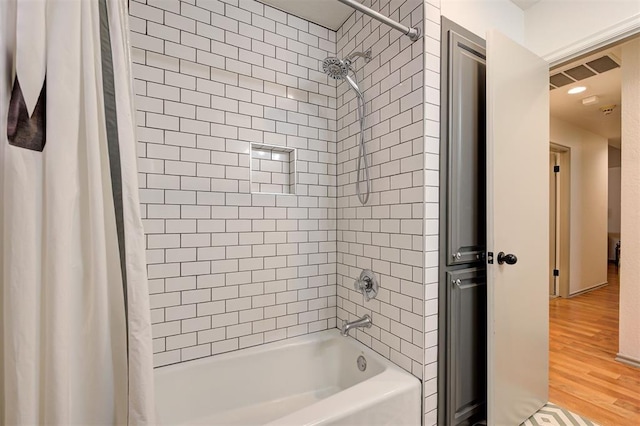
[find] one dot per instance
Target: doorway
(584, 375)
(559, 220)
(545, 258)
(554, 211)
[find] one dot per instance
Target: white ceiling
(328, 13)
(608, 88)
(525, 4)
(332, 14)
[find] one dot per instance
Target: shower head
(335, 68)
(338, 69)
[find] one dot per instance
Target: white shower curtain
(74, 312)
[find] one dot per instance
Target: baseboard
(628, 360)
(587, 290)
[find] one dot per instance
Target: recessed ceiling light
(576, 90)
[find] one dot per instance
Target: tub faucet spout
(364, 322)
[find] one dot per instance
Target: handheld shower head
(338, 69)
(354, 86)
(335, 68)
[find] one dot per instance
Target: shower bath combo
(306, 398)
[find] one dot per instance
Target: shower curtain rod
(412, 33)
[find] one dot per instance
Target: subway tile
(175, 20)
(179, 51)
(146, 12)
(199, 13)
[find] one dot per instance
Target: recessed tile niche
(273, 169)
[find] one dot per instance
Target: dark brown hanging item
(24, 131)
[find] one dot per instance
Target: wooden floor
(583, 374)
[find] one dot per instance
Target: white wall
(480, 15)
(588, 217)
(630, 224)
(552, 25)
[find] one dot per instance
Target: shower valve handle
(367, 284)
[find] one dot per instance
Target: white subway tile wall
(390, 234)
(431, 187)
(386, 235)
(229, 269)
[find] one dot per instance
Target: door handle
(509, 259)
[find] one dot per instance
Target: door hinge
(556, 272)
(556, 169)
(490, 257)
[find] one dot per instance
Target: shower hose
(362, 173)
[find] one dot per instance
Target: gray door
(463, 292)
(466, 235)
(468, 348)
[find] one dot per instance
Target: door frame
(601, 40)
(616, 34)
(554, 219)
(564, 217)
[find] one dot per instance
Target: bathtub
(308, 380)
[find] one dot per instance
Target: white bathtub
(307, 380)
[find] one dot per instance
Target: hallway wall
(588, 204)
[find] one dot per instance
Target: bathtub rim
(391, 381)
(291, 342)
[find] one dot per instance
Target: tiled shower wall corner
(386, 235)
(431, 188)
(227, 268)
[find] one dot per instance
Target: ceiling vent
(582, 71)
(608, 109)
(603, 64)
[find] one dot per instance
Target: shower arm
(366, 55)
(412, 33)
